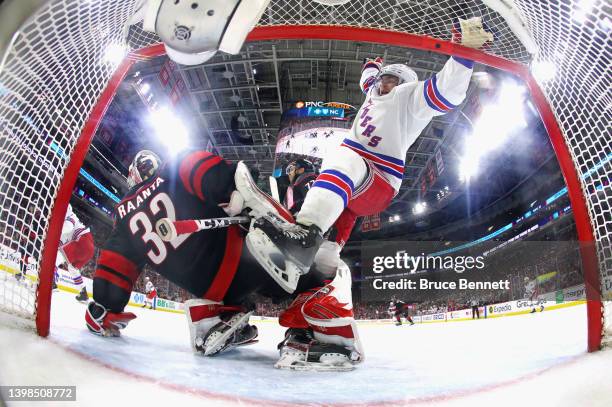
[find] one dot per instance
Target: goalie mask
(144, 166)
(400, 71)
(193, 31)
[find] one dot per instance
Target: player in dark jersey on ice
(214, 265)
(302, 175)
(397, 309)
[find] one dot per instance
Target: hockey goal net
(66, 60)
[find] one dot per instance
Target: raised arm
(369, 73)
(445, 90)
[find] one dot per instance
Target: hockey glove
(372, 63)
(472, 33)
(101, 322)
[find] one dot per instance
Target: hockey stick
(168, 229)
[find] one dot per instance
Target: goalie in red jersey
(216, 265)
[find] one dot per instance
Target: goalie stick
(169, 230)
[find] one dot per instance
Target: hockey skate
(297, 242)
(283, 270)
(82, 297)
(301, 351)
(215, 328)
(232, 331)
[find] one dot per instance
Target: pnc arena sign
(334, 105)
(323, 109)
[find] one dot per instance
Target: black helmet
(300, 163)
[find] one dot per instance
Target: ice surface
(504, 361)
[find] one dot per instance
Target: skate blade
(264, 251)
(217, 346)
(314, 367)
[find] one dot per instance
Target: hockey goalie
(216, 266)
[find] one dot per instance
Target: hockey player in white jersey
(363, 175)
(76, 249)
(531, 294)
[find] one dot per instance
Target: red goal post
(50, 56)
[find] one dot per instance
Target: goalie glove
(372, 63)
(101, 322)
(472, 33)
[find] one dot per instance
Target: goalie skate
(228, 334)
(300, 351)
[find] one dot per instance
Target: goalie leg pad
(329, 314)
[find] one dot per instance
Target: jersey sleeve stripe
(463, 61)
(434, 83)
(367, 84)
(199, 172)
(187, 166)
(116, 262)
(434, 98)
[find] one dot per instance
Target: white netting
(64, 57)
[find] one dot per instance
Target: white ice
(536, 359)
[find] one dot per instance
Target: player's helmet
(298, 164)
(144, 166)
(400, 71)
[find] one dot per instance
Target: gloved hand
(472, 33)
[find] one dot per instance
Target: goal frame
(344, 33)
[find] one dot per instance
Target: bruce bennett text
(425, 284)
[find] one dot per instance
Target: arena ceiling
(267, 78)
(247, 93)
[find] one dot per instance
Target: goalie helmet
(193, 31)
(144, 166)
(400, 71)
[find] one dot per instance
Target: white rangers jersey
(73, 228)
(386, 126)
